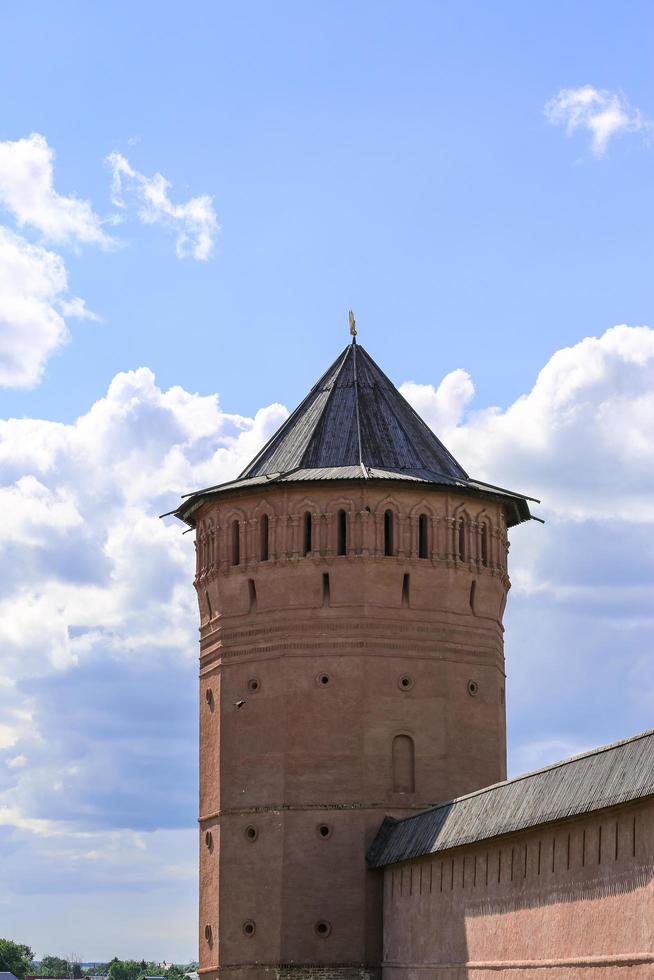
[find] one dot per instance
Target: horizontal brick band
(612, 959)
(307, 807)
(323, 970)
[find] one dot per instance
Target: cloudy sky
(190, 200)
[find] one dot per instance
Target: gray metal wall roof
(607, 776)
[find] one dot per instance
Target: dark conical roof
(354, 416)
(355, 425)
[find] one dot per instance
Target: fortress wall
(564, 901)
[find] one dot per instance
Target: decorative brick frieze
(365, 529)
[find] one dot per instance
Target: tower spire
(353, 326)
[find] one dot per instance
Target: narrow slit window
(473, 591)
(252, 592)
(326, 598)
(484, 545)
(264, 549)
(461, 539)
(388, 533)
(423, 546)
(405, 591)
(307, 533)
(633, 837)
(342, 533)
(236, 543)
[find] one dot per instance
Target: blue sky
(475, 181)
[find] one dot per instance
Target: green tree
(125, 970)
(53, 966)
(174, 972)
(15, 958)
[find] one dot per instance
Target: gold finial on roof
(353, 324)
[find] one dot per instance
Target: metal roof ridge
(356, 402)
(527, 775)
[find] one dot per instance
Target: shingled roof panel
(605, 777)
(355, 424)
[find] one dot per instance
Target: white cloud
(98, 640)
(581, 438)
(33, 297)
(441, 407)
(77, 307)
(27, 192)
(602, 113)
(195, 223)
(91, 492)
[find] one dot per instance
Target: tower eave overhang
(516, 505)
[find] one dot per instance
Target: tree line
(18, 959)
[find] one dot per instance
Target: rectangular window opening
(265, 530)
(388, 533)
(236, 543)
(342, 533)
(423, 542)
(307, 533)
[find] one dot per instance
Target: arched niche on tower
(305, 528)
(422, 518)
(462, 541)
(484, 539)
(342, 530)
(403, 764)
(233, 537)
(263, 525)
(389, 528)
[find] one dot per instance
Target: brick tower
(351, 585)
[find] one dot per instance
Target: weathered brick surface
(572, 899)
(283, 753)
